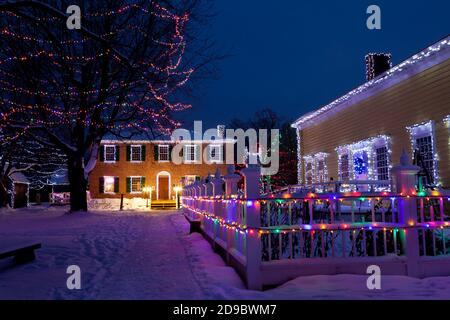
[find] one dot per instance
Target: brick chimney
(376, 64)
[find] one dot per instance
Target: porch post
(231, 180)
(404, 178)
(253, 221)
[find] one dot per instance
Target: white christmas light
(425, 129)
(369, 84)
(314, 160)
(369, 146)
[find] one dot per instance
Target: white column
(231, 180)
(404, 178)
(253, 268)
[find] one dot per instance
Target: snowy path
(156, 264)
(152, 256)
(121, 256)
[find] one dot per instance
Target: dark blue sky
(295, 56)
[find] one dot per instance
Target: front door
(163, 187)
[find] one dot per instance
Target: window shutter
(198, 153)
(143, 152)
(102, 153)
(156, 152)
(116, 184)
(170, 152)
(128, 153)
(101, 185)
(142, 182)
(182, 152)
(117, 153)
(128, 184)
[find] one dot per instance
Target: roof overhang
(431, 56)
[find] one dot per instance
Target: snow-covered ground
(137, 255)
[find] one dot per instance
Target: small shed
(60, 188)
(19, 190)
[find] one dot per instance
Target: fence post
(217, 184)
(231, 180)
(253, 221)
(404, 178)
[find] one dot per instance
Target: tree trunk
(3, 194)
(78, 184)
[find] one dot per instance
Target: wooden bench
(22, 253)
(194, 225)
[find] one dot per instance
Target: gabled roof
(18, 177)
(427, 58)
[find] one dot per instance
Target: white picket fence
(272, 239)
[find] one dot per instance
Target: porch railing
(277, 237)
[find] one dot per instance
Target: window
(321, 171)
(109, 184)
(309, 172)
(163, 153)
(136, 153)
(424, 152)
(110, 153)
(424, 147)
(382, 163)
(136, 184)
(190, 154)
(215, 153)
(344, 168)
(189, 179)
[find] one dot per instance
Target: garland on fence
(371, 226)
(313, 196)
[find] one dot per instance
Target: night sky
(295, 56)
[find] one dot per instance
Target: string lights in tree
(120, 74)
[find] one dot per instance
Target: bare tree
(122, 73)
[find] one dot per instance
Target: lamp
(177, 190)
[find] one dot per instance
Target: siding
(426, 96)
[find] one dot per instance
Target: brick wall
(148, 169)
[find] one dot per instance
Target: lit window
(189, 179)
(344, 168)
(136, 153)
(424, 154)
(215, 153)
(136, 184)
(163, 152)
(109, 184)
(190, 154)
(309, 172)
(110, 153)
(424, 157)
(321, 170)
(382, 163)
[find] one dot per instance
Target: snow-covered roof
(18, 177)
(427, 58)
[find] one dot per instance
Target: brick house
(362, 134)
(130, 167)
